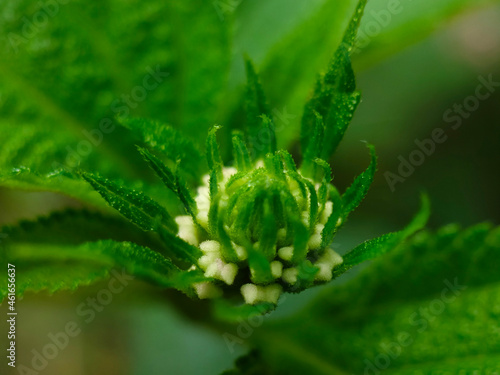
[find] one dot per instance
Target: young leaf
(169, 141)
(213, 155)
(173, 181)
(260, 267)
(134, 205)
(159, 168)
(383, 244)
(258, 117)
(355, 193)
(314, 147)
(74, 227)
(268, 135)
(268, 237)
(324, 27)
(240, 153)
(227, 249)
(334, 97)
(54, 267)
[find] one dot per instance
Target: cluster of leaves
(48, 110)
(168, 260)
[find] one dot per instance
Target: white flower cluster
(213, 264)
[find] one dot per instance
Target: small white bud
(228, 273)
(331, 257)
(290, 275)
(276, 269)
(324, 273)
(203, 192)
(214, 269)
(286, 253)
(319, 228)
(206, 260)
(314, 242)
(184, 220)
(188, 235)
(259, 164)
(206, 179)
(210, 246)
(272, 293)
(250, 293)
(202, 217)
(207, 290)
(241, 252)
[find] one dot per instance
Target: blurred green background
(425, 59)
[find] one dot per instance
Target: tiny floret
(290, 275)
(206, 290)
(286, 253)
(276, 269)
(228, 273)
(314, 242)
(210, 247)
(250, 293)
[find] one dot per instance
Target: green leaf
(355, 193)
(314, 147)
(168, 141)
(57, 181)
(74, 227)
(173, 181)
(55, 267)
(301, 237)
(213, 155)
(257, 113)
(324, 30)
(429, 306)
(268, 237)
(387, 242)
(159, 168)
(227, 250)
(259, 266)
(240, 153)
(134, 205)
(334, 98)
(99, 51)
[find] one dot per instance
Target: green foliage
(334, 100)
(172, 181)
(355, 193)
(385, 243)
(324, 28)
(167, 141)
(428, 307)
(135, 206)
(256, 227)
(45, 267)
